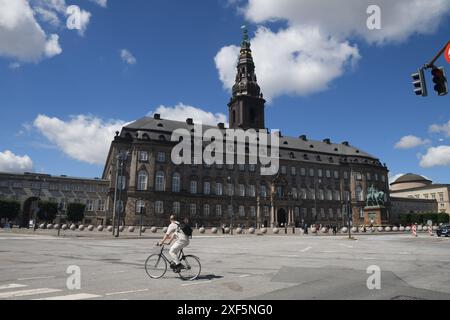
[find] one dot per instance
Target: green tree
(9, 209)
(443, 218)
(47, 211)
(75, 212)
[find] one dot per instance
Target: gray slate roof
(156, 127)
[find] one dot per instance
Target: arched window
(329, 195)
(160, 181)
(142, 180)
(176, 182)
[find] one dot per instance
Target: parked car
(443, 230)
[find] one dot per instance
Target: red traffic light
(439, 73)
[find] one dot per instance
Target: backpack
(187, 230)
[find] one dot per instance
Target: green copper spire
(245, 39)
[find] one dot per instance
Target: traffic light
(440, 81)
(420, 86)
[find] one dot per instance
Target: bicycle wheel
(192, 268)
(155, 266)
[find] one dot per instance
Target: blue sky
(368, 101)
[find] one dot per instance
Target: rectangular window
(319, 173)
(303, 172)
(193, 209)
(369, 177)
(193, 187)
(101, 205)
(121, 182)
(441, 197)
(143, 156)
(241, 190)
(433, 196)
(159, 207)
(263, 191)
(425, 196)
(242, 167)
(361, 213)
(251, 191)
(322, 212)
(336, 174)
(253, 211)
(358, 176)
(218, 210)
(176, 208)
(345, 175)
(294, 193)
(206, 210)
(339, 212)
(283, 169)
(161, 156)
(383, 178)
(219, 190)
(376, 176)
(330, 213)
(89, 205)
(206, 188)
(311, 172)
(328, 174)
(313, 212)
(293, 171)
(242, 211)
(266, 211)
(251, 167)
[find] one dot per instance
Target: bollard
(263, 230)
(109, 229)
(81, 227)
(202, 230)
(90, 227)
(153, 229)
(100, 228)
(227, 230)
(214, 230)
(73, 227)
(239, 230)
(131, 229)
(143, 229)
(251, 230)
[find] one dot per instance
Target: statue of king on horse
(374, 197)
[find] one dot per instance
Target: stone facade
(29, 188)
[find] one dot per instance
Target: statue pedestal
(377, 214)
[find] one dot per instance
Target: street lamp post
(141, 218)
(121, 158)
(230, 180)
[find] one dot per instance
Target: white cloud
(14, 65)
(436, 156)
(409, 142)
(21, 37)
(9, 162)
(84, 137)
(399, 19)
(47, 16)
(77, 19)
(181, 112)
(445, 128)
(127, 56)
(314, 48)
(102, 3)
(292, 61)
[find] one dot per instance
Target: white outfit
(182, 241)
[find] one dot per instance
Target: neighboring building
(411, 205)
(314, 180)
(29, 188)
(417, 187)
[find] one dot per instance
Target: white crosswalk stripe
(78, 296)
(11, 286)
(23, 293)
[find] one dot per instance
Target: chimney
(327, 141)
(221, 125)
(157, 116)
(303, 137)
(345, 143)
(190, 121)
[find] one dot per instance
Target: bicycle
(156, 265)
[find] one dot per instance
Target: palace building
(315, 180)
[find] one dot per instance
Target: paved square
(233, 267)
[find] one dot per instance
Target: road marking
(121, 271)
(244, 275)
(444, 260)
(12, 286)
(306, 249)
(196, 283)
(329, 251)
(78, 296)
(22, 293)
(369, 258)
(35, 278)
(344, 245)
(289, 256)
(125, 292)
